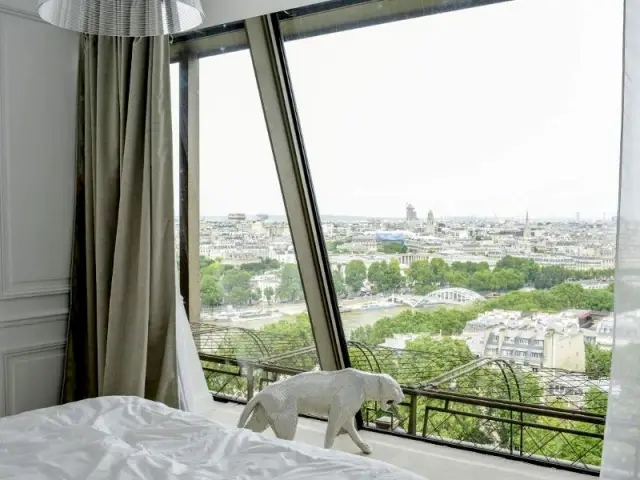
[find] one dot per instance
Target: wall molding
(18, 309)
(43, 289)
(9, 359)
(17, 12)
(9, 289)
(59, 316)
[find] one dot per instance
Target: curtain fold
(194, 394)
(122, 325)
(621, 452)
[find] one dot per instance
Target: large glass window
(465, 166)
(253, 326)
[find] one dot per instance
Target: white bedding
(130, 438)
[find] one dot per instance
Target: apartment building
(537, 340)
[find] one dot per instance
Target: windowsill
(433, 462)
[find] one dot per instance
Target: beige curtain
(122, 334)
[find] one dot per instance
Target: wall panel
(38, 70)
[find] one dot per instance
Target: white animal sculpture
(337, 394)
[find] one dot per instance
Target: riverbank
(352, 317)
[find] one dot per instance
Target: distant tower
(431, 224)
(411, 213)
(578, 217)
(527, 228)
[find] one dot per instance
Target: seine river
(350, 320)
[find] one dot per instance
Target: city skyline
(530, 124)
(254, 215)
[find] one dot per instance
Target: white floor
(431, 461)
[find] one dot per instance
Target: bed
(130, 438)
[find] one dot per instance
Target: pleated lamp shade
(123, 18)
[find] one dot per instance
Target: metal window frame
(189, 186)
(186, 50)
(210, 41)
(264, 37)
(339, 15)
(267, 53)
(278, 105)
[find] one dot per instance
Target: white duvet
(130, 438)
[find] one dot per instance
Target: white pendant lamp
(123, 18)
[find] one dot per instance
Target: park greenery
(597, 362)
(392, 247)
(433, 352)
(425, 358)
(225, 284)
(510, 273)
(451, 321)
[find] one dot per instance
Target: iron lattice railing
(539, 433)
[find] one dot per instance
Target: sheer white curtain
(621, 455)
(193, 391)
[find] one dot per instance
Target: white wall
(38, 65)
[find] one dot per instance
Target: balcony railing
(514, 417)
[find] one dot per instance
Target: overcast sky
(488, 111)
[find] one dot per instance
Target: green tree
(376, 272)
(355, 275)
(210, 291)
(205, 261)
(483, 281)
(363, 334)
(236, 287)
(569, 295)
(597, 362)
(508, 279)
(457, 278)
(289, 335)
(469, 267)
(269, 292)
(338, 282)
(395, 280)
(432, 357)
(332, 245)
(386, 277)
(427, 357)
(392, 247)
(256, 295)
(290, 288)
(599, 300)
(264, 265)
(443, 321)
(421, 278)
(450, 321)
(596, 401)
(549, 277)
(528, 267)
(439, 268)
(215, 269)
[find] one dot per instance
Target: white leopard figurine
(339, 395)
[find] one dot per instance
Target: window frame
(267, 51)
(338, 15)
(264, 38)
(226, 38)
